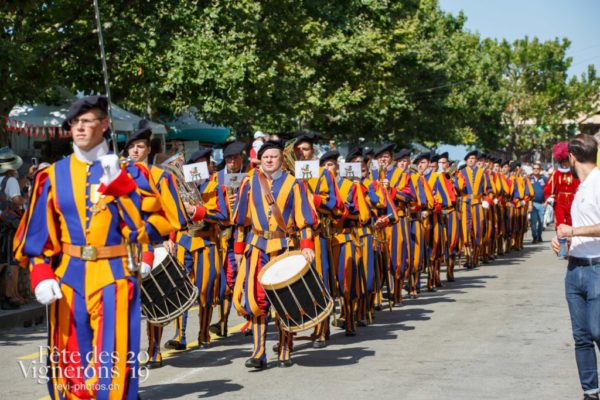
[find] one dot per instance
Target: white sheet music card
(350, 170)
(307, 169)
(374, 164)
(233, 180)
(195, 172)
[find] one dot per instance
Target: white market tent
(40, 120)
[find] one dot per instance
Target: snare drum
(168, 291)
(296, 291)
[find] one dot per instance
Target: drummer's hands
(145, 269)
(238, 259)
(385, 182)
(169, 246)
(309, 254)
(232, 199)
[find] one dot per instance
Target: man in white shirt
(582, 281)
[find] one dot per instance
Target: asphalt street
(501, 331)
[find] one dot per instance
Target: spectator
(259, 139)
(11, 203)
(537, 207)
(157, 149)
(581, 282)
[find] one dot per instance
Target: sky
(577, 20)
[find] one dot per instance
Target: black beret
(353, 153)
(269, 144)
(401, 154)
(421, 156)
(386, 147)
(444, 155)
(514, 165)
(139, 134)
(497, 160)
(369, 152)
(309, 137)
(203, 152)
(505, 162)
(234, 149)
(83, 105)
(472, 153)
(330, 155)
(481, 155)
(434, 157)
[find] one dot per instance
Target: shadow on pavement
(204, 389)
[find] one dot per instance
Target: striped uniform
(99, 312)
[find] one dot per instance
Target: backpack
(9, 216)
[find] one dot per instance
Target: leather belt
(93, 253)
(269, 234)
(584, 261)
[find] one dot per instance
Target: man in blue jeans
(538, 206)
(582, 281)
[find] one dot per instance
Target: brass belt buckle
(268, 235)
(88, 253)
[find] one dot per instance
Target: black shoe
(540, 240)
(203, 345)
(350, 333)
(449, 279)
(248, 332)
(398, 304)
(175, 345)
(377, 307)
(153, 364)
(439, 284)
(284, 364)
(534, 241)
(593, 396)
(9, 304)
(216, 329)
(413, 296)
(486, 261)
(339, 323)
(432, 289)
(361, 323)
(319, 344)
(418, 290)
(255, 363)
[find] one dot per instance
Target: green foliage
(382, 70)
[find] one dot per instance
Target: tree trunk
(5, 108)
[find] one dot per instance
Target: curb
(23, 317)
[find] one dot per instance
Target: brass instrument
(452, 170)
(289, 157)
(188, 192)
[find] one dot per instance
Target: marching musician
(473, 188)
(437, 239)
(82, 210)
(346, 249)
(233, 165)
(421, 208)
(383, 213)
(198, 251)
(451, 219)
(138, 148)
(271, 208)
(326, 198)
(396, 180)
(561, 186)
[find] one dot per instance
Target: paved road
(501, 331)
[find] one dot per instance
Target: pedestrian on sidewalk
(537, 207)
(582, 281)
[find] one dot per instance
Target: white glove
(424, 214)
(522, 202)
(48, 291)
(495, 201)
(550, 200)
(485, 204)
(145, 270)
(112, 168)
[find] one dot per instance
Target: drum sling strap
(264, 185)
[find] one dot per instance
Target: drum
(168, 291)
(296, 291)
